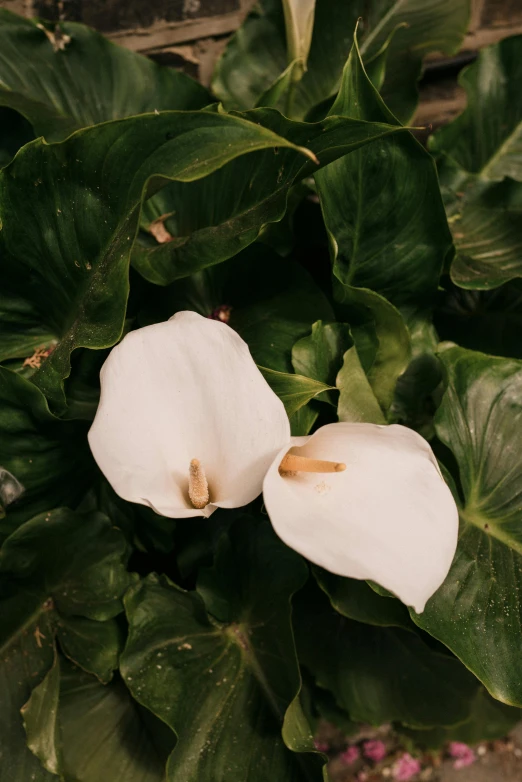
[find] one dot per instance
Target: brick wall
(190, 34)
(187, 34)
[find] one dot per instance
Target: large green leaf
(487, 229)
(93, 645)
(213, 219)
(57, 566)
(86, 731)
(419, 389)
(486, 139)
(107, 735)
(377, 674)
(271, 301)
(357, 600)
(476, 612)
(382, 206)
(224, 683)
(63, 561)
(425, 26)
(256, 55)
(418, 394)
(84, 198)
(357, 401)
(23, 333)
(24, 663)
(89, 80)
(144, 529)
(40, 715)
(382, 341)
(320, 355)
(49, 457)
(253, 59)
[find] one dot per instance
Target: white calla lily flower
(381, 511)
(299, 23)
(186, 422)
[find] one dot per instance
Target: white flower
(382, 513)
(299, 22)
(186, 422)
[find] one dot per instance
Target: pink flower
(221, 313)
(406, 768)
(374, 750)
(350, 755)
(321, 746)
(464, 755)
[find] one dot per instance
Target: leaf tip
(309, 154)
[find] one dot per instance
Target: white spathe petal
(389, 517)
(299, 23)
(181, 390)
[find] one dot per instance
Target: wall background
(190, 34)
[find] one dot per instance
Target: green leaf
(437, 26)
(489, 720)
(382, 206)
(294, 391)
(49, 457)
(356, 600)
(418, 394)
(40, 715)
(107, 735)
(376, 65)
(357, 402)
(486, 139)
(214, 219)
(281, 91)
(488, 235)
(256, 55)
(268, 300)
(254, 59)
(94, 646)
(224, 686)
(320, 355)
(88, 81)
(24, 664)
(46, 559)
(23, 332)
(303, 419)
(143, 528)
(377, 674)
(423, 334)
(58, 566)
(84, 197)
(419, 390)
(381, 338)
(476, 612)
(85, 731)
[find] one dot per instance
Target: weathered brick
(113, 15)
(501, 13)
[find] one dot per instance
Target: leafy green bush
(300, 210)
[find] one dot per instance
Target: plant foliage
(372, 280)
